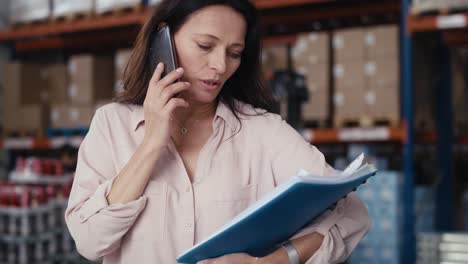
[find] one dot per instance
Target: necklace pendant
(183, 131)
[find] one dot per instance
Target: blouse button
(188, 225)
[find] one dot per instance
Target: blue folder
(262, 227)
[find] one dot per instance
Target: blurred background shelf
(40, 143)
(407, 59)
(277, 18)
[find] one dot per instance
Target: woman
(171, 162)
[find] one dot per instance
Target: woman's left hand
(238, 258)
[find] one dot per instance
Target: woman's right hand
(159, 105)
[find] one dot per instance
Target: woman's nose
(218, 62)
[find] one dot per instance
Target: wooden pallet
(367, 121)
(68, 17)
(316, 123)
(67, 132)
(123, 10)
(35, 133)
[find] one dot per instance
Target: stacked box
(91, 80)
(349, 93)
(103, 6)
(121, 61)
(65, 7)
(366, 74)
(57, 83)
(383, 199)
(22, 11)
(348, 74)
(25, 97)
(310, 55)
(382, 72)
(65, 116)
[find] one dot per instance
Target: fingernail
(159, 65)
(180, 69)
(187, 83)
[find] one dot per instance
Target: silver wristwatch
(292, 252)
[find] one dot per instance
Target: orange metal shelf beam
(73, 42)
(432, 23)
(82, 25)
(345, 135)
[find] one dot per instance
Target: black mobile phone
(163, 50)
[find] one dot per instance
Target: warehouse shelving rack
(121, 31)
(452, 31)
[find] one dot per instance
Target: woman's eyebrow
(216, 38)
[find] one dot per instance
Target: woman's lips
(210, 85)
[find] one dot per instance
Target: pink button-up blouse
(242, 161)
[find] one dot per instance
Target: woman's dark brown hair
(245, 85)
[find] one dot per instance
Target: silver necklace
(184, 130)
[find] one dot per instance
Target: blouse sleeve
(345, 225)
(96, 226)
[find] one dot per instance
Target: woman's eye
(203, 47)
(235, 56)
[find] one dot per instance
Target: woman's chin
(202, 97)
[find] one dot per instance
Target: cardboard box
(57, 79)
(27, 118)
(29, 10)
(349, 74)
(274, 58)
(103, 6)
(383, 103)
(317, 77)
(382, 73)
(65, 7)
(311, 48)
(348, 44)
(25, 84)
(121, 61)
(91, 79)
(66, 116)
(349, 94)
(382, 41)
(349, 102)
(316, 108)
